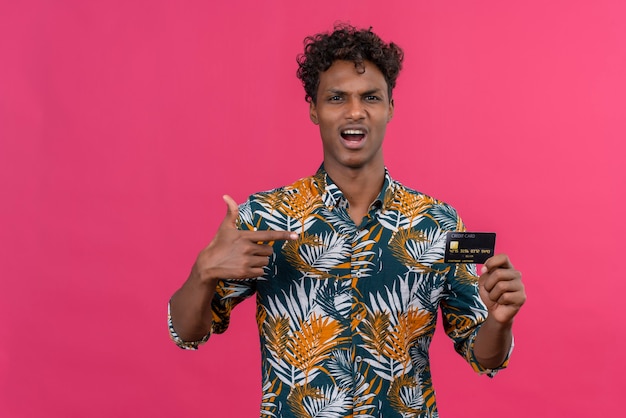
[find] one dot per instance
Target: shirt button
(358, 274)
(359, 317)
(358, 359)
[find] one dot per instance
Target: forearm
(190, 308)
(232, 254)
(493, 343)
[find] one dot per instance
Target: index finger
(268, 235)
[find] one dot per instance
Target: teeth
(353, 132)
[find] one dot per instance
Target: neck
(359, 186)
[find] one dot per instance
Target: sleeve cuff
(185, 345)
(482, 370)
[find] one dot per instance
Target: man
(347, 265)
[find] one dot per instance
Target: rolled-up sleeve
(463, 314)
(228, 294)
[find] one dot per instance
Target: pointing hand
(236, 254)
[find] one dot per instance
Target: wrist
(494, 323)
(205, 277)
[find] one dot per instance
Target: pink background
(122, 123)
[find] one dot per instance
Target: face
(352, 111)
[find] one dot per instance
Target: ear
(313, 113)
(390, 115)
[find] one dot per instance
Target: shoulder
(408, 199)
(278, 206)
(397, 190)
(302, 185)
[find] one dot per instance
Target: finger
(507, 293)
(269, 236)
(232, 211)
(495, 262)
(260, 261)
(489, 280)
(262, 250)
(256, 272)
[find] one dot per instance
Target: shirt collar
(333, 197)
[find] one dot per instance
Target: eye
(372, 98)
(335, 98)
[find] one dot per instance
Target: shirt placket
(359, 308)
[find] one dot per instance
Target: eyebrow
(373, 91)
(365, 93)
(335, 92)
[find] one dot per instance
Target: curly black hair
(350, 44)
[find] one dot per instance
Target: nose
(356, 110)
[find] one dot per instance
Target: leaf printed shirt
(346, 313)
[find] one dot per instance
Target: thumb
(232, 211)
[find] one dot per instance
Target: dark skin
(349, 101)
(232, 254)
(502, 291)
(352, 111)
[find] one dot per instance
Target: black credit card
(469, 247)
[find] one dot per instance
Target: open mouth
(353, 134)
